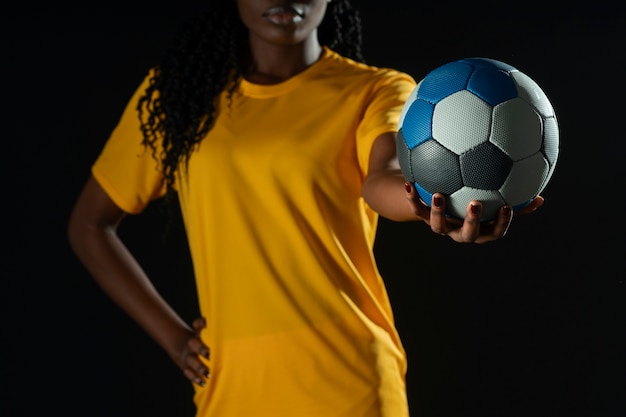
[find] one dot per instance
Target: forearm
(385, 193)
(120, 276)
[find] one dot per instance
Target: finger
(437, 219)
(534, 205)
(196, 377)
(503, 221)
(418, 207)
(497, 228)
(193, 367)
(197, 347)
(470, 231)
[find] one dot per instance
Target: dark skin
(385, 186)
(93, 235)
(277, 52)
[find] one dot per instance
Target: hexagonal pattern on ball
(444, 81)
(481, 62)
(516, 129)
(436, 168)
(525, 180)
(550, 146)
(492, 85)
(404, 157)
(478, 129)
(491, 201)
(418, 123)
(485, 167)
(529, 91)
(412, 97)
(461, 121)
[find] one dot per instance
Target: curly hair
(179, 105)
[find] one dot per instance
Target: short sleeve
(383, 112)
(125, 168)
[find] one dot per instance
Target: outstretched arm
(92, 233)
(387, 192)
(384, 188)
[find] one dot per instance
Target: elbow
(379, 202)
(79, 230)
(74, 232)
(369, 194)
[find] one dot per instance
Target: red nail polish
(475, 209)
(438, 201)
(506, 210)
(407, 187)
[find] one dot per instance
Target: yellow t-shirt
(298, 319)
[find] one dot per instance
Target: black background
(530, 325)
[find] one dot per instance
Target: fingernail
(475, 209)
(407, 187)
(438, 201)
(506, 210)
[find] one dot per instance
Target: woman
(282, 155)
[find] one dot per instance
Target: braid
(180, 100)
(348, 36)
(179, 105)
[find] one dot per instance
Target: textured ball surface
(478, 129)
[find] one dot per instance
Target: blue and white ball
(478, 129)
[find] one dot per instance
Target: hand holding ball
(478, 129)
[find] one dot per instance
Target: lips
(284, 15)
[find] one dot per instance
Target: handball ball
(478, 129)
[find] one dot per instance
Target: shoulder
(348, 75)
(358, 73)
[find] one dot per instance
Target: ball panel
(417, 126)
(491, 201)
(435, 168)
(551, 141)
(492, 85)
(521, 206)
(445, 80)
(525, 180)
(484, 167)
(410, 99)
(516, 129)
(461, 121)
(529, 91)
(404, 157)
(489, 62)
(424, 195)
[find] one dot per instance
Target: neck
(272, 64)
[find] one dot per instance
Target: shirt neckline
(250, 89)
